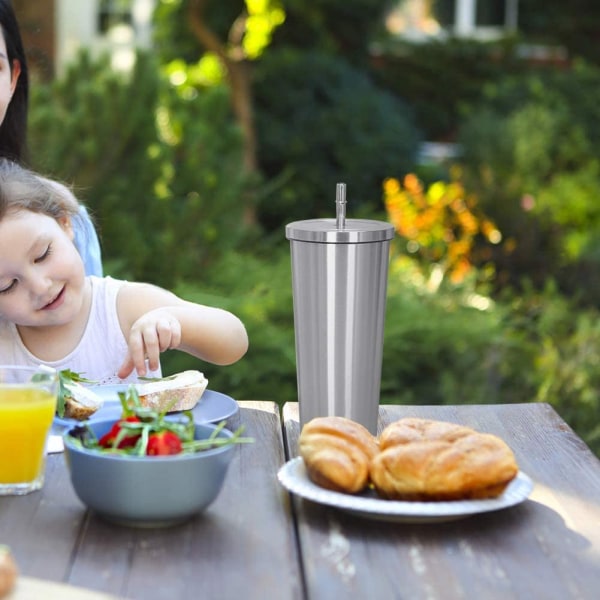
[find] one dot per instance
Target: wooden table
(547, 548)
(243, 546)
(257, 542)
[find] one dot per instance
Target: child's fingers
(152, 334)
(141, 347)
(126, 368)
(169, 333)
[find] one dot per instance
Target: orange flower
(439, 224)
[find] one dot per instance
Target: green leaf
(65, 377)
(152, 421)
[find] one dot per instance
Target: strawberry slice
(163, 443)
(108, 439)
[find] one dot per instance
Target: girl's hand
(154, 332)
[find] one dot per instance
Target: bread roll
(421, 459)
(337, 453)
(9, 571)
(178, 392)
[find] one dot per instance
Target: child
(108, 330)
(14, 101)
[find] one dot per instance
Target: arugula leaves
(151, 421)
(65, 377)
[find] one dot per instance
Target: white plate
(212, 408)
(294, 478)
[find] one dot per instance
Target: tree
(574, 24)
(237, 33)
(248, 33)
(340, 27)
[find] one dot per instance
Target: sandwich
(78, 401)
(181, 391)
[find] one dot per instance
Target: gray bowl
(147, 491)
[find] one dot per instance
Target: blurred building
(477, 19)
(55, 30)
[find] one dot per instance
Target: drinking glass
(27, 405)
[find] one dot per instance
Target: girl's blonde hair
(22, 189)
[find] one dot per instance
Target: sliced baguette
(177, 392)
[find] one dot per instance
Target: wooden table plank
(242, 546)
(42, 528)
(548, 547)
(29, 588)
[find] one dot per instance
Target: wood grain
(29, 588)
(243, 546)
(547, 547)
(257, 542)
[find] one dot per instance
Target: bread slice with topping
(80, 402)
(176, 392)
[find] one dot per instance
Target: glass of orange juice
(27, 406)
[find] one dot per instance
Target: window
(466, 18)
(112, 13)
(491, 13)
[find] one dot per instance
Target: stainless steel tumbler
(339, 281)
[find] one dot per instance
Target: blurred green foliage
(258, 288)
(172, 35)
(441, 79)
(159, 170)
(321, 121)
(574, 25)
(531, 153)
(159, 166)
(343, 28)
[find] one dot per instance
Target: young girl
(108, 330)
(14, 101)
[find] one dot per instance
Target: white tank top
(101, 350)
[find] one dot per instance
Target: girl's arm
(154, 320)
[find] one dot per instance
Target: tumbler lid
(340, 230)
(355, 231)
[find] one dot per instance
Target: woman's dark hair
(13, 130)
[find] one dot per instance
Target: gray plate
(212, 408)
(294, 478)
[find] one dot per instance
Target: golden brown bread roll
(337, 453)
(421, 459)
(9, 571)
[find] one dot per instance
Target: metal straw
(340, 206)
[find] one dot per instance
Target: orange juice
(26, 415)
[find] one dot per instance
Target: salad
(141, 431)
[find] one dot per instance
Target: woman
(14, 98)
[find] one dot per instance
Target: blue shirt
(87, 243)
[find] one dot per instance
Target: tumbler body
(339, 281)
